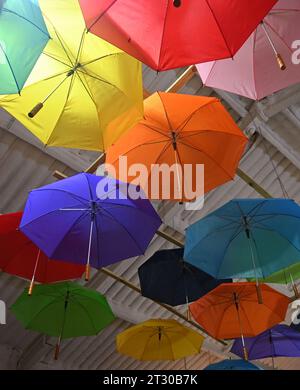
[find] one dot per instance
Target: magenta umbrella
(264, 63)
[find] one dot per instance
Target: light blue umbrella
(246, 238)
(23, 36)
(241, 365)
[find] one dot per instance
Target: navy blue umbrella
(167, 278)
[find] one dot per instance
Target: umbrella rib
(206, 154)
(158, 130)
(10, 67)
(279, 36)
(101, 14)
(56, 59)
(163, 33)
(102, 58)
(275, 232)
(119, 223)
(62, 45)
(186, 121)
(165, 111)
(76, 197)
(219, 28)
(27, 326)
(73, 298)
(233, 237)
(226, 227)
(106, 82)
(97, 230)
(197, 132)
(81, 216)
(27, 20)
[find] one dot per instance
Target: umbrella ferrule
(174, 140)
(73, 70)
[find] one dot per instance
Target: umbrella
(159, 340)
(166, 34)
(228, 364)
(89, 219)
(254, 72)
(184, 131)
(286, 276)
(23, 36)
(63, 310)
(83, 92)
(255, 238)
(19, 256)
(231, 310)
(280, 340)
(167, 278)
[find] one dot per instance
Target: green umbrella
(285, 276)
(63, 310)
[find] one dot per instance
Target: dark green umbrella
(63, 310)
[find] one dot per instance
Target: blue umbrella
(246, 238)
(23, 36)
(167, 278)
(241, 365)
(281, 340)
(89, 219)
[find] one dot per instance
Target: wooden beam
(247, 179)
(183, 79)
(169, 238)
(171, 309)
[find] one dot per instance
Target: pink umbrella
(264, 63)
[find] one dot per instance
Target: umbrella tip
(177, 3)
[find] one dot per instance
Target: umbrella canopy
(254, 72)
(159, 340)
(286, 276)
(231, 310)
(23, 35)
(83, 92)
(171, 34)
(184, 131)
(240, 365)
(19, 256)
(64, 310)
(280, 340)
(167, 278)
(246, 238)
(89, 219)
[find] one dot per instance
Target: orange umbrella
(183, 130)
(231, 310)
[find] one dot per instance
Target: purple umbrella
(280, 340)
(88, 219)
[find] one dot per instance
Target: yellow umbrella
(159, 340)
(83, 92)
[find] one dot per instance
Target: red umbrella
(19, 256)
(167, 34)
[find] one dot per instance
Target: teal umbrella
(246, 238)
(64, 310)
(23, 36)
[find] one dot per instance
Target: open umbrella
(19, 256)
(166, 34)
(167, 278)
(246, 238)
(83, 92)
(280, 340)
(253, 71)
(159, 340)
(89, 219)
(182, 131)
(231, 310)
(286, 276)
(228, 364)
(23, 36)
(63, 310)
